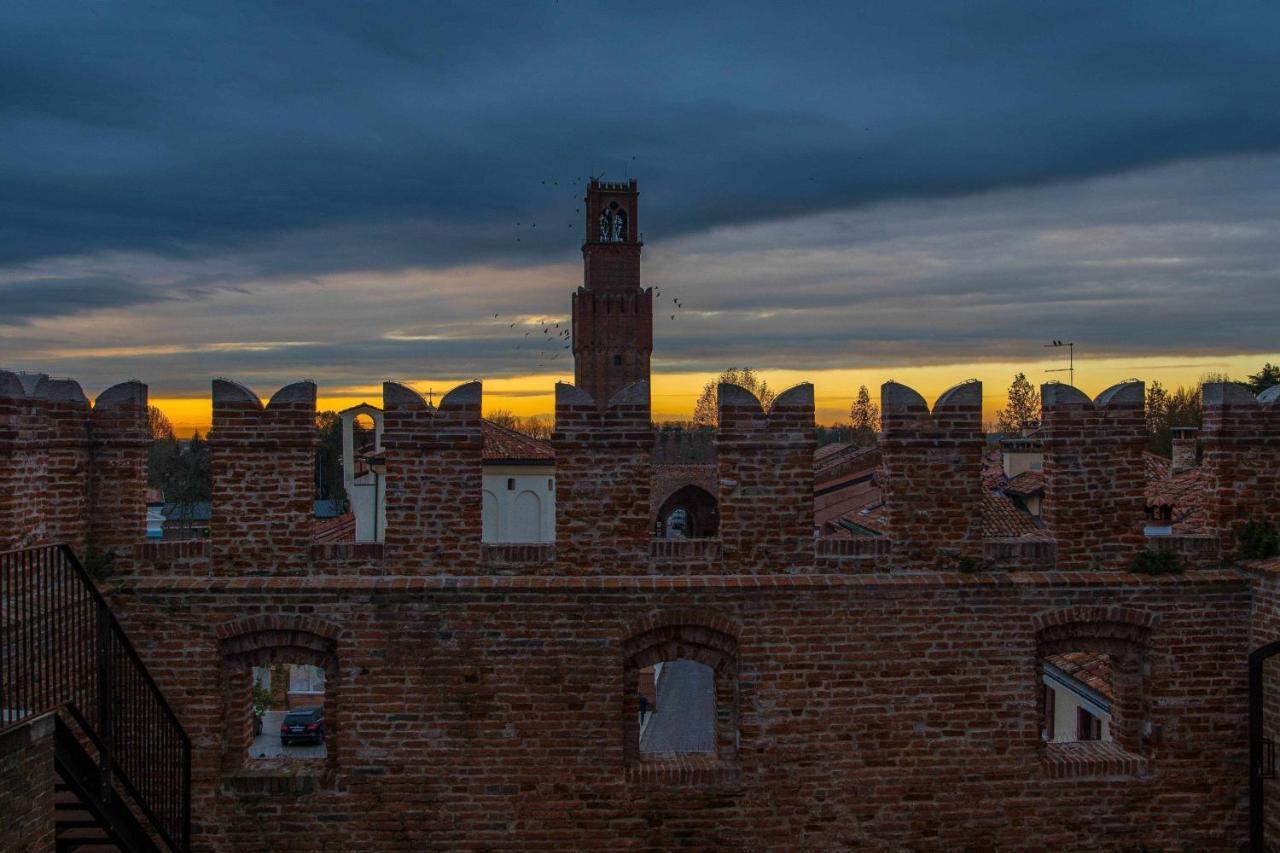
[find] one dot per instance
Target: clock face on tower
(613, 224)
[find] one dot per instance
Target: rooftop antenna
(1070, 369)
(431, 396)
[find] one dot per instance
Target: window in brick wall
(1091, 688)
(682, 696)
(677, 708)
(1078, 695)
(288, 712)
(280, 702)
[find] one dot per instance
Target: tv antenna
(1070, 369)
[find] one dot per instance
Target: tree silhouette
(704, 412)
(1023, 412)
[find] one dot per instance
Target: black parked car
(302, 725)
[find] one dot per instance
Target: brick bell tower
(612, 314)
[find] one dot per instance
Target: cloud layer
(350, 191)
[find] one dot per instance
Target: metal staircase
(123, 760)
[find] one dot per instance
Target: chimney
(1184, 449)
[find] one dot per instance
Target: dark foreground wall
(877, 712)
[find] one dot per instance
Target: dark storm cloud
(23, 301)
(187, 129)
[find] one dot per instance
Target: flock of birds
(554, 339)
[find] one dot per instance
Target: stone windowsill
(1077, 759)
(275, 781)
(684, 770)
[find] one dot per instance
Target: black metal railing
(62, 649)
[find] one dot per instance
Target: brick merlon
(1055, 394)
(896, 397)
(1229, 394)
(397, 396)
(11, 386)
(229, 393)
(296, 393)
(60, 391)
(124, 395)
(728, 394)
(796, 397)
(568, 394)
(966, 394)
(467, 395)
(1132, 393)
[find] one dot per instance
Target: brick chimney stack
(1184, 449)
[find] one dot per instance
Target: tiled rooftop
(507, 445)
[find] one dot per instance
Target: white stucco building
(519, 481)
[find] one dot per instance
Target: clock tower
(612, 314)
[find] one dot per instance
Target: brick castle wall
(26, 785)
(70, 472)
(1241, 437)
(933, 473)
(434, 477)
(263, 478)
(603, 477)
(873, 711)
(765, 470)
(1094, 476)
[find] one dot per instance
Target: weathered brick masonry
(1094, 479)
(873, 711)
(933, 472)
(68, 472)
(26, 786)
(866, 698)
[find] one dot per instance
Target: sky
(841, 193)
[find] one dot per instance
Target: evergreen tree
(1266, 377)
(1023, 412)
(865, 416)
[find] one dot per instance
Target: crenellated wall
(119, 444)
(933, 473)
(1241, 439)
(263, 478)
(1094, 474)
(69, 472)
(604, 460)
(434, 478)
(765, 464)
(478, 694)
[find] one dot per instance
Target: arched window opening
(288, 711)
(677, 708)
(1090, 693)
(1078, 696)
(613, 224)
(690, 512)
(682, 695)
(280, 699)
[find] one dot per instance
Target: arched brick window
(264, 642)
(1093, 661)
(692, 645)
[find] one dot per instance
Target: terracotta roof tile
(1004, 519)
(507, 445)
(1090, 668)
(339, 528)
(1025, 484)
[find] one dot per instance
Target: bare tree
(704, 411)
